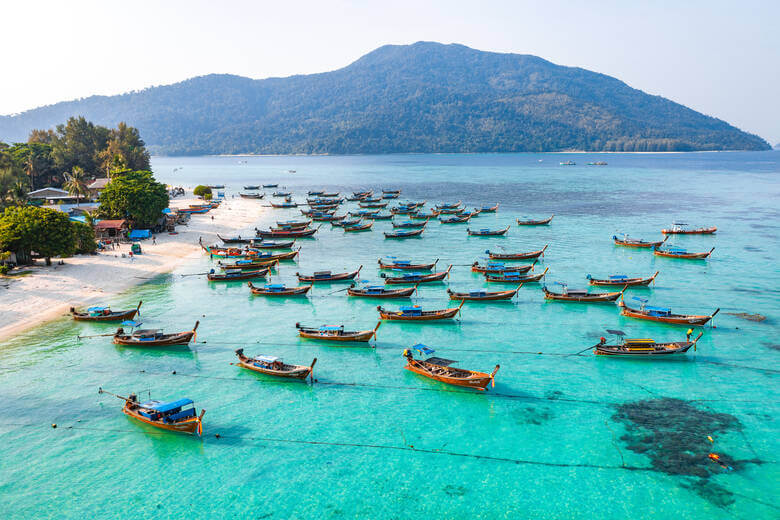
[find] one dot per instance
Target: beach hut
(110, 229)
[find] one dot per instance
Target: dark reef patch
(532, 415)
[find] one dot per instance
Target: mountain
(425, 97)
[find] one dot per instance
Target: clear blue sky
(719, 57)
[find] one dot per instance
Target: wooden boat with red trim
(223, 252)
(455, 220)
(249, 264)
(509, 277)
(336, 333)
(621, 279)
(380, 291)
(531, 222)
(287, 233)
(581, 296)
(278, 290)
(490, 209)
(358, 227)
(153, 337)
(293, 224)
(678, 228)
(486, 232)
(483, 295)
(425, 216)
(676, 252)
(645, 348)
(662, 314)
(408, 224)
(449, 205)
(494, 267)
(406, 264)
(327, 276)
(175, 416)
(274, 366)
(516, 256)
(415, 278)
(404, 233)
(415, 313)
(104, 314)
(232, 275)
(439, 369)
(634, 242)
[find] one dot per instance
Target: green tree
(28, 229)
(125, 144)
(76, 183)
(134, 195)
(84, 235)
(201, 191)
(79, 142)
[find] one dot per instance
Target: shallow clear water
(373, 440)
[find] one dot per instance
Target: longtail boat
(330, 195)
(270, 185)
(223, 252)
(278, 290)
(439, 369)
(234, 240)
(408, 224)
(455, 220)
(633, 242)
(314, 193)
(270, 233)
(364, 213)
(249, 264)
(285, 204)
(104, 314)
(324, 201)
(380, 291)
(176, 416)
(251, 195)
(327, 276)
(358, 227)
(267, 255)
(490, 209)
(195, 211)
(415, 313)
(404, 210)
(678, 228)
(372, 204)
(390, 195)
(425, 216)
(621, 279)
(404, 233)
(231, 275)
(510, 277)
(274, 366)
(662, 314)
(486, 232)
(644, 347)
(483, 295)
(532, 222)
(677, 252)
(346, 222)
(252, 187)
(450, 205)
(152, 337)
(292, 224)
(581, 296)
(473, 213)
(395, 263)
(415, 278)
(328, 217)
(372, 199)
(259, 243)
(281, 194)
(312, 212)
(452, 211)
(378, 216)
(336, 333)
(516, 256)
(391, 192)
(494, 267)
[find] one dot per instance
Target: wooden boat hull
(455, 220)
(361, 336)
(630, 282)
(637, 244)
(476, 380)
(487, 233)
(520, 269)
(443, 314)
(412, 267)
(701, 231)
(246, 275)
(406, 234)
(489, 295)
(292, 291)
(357, 229)
(390, 293)
(187, 426)
(428, 278)
(287, 234)
(296, 372)
(278, 245)
(517, 256)
(589, 298)
(684, 256)
(542, 222)
(182, 338)
(341, 277)
(680, 347)
(114, 316)
(674, 319)
(249, 265)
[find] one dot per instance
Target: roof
(98, 184)
(47, 193)
(167, 407)
(111, 224)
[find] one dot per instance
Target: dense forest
(425, 97)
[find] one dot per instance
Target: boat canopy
(275, 287)
(617, 277)
(325, 328)
(413, 310)
(423, 349)
(166, 407)
(97, 309)
(266, 359)
(659, 311)
(481, 292)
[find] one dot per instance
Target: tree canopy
(47, 232)
(134, 195)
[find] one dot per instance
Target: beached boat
(176, 416)
(455, 219)
(678, 252)
(251, 195)
(232, 275)
(662, 314)
(621, 279)
(274, 366)
(581, 296)
(235, 240)
(532, 222)
(440, 369)
(358, 227)
(402, 233)
(328, 276)
(407, 278)
(678, 228)
(516, 256)
(278, 290)
(196, 211)
(380, 291)
(104, 314)
(633, 242)
(490, 209)
(336, 333)
(494, 267)
(408, 224)
(644, 348)
(249, 264)
(415, 313)
(395, 263)
(486, 232)
(510, 277)
(152, 337)
(286, 233)
(483, 295)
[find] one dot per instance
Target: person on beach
(154, 240)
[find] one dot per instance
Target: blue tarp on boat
(167, 407)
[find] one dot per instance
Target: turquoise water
(560, 436)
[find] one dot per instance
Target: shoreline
(90, 279)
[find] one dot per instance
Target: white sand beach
(48, 292)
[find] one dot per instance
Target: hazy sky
(719, 57)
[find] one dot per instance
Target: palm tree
(76, 183)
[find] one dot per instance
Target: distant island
(425, 97)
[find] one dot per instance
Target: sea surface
(562, 434)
